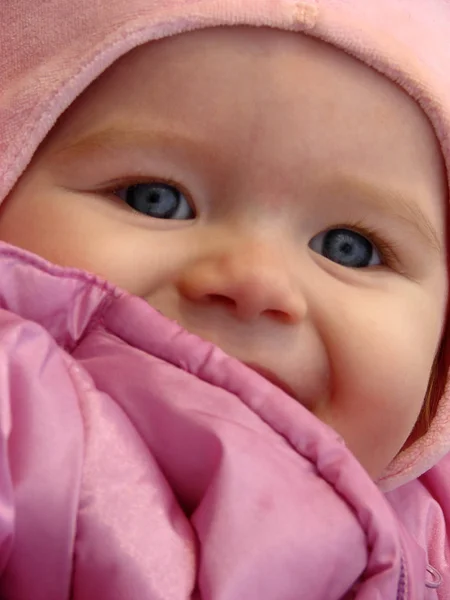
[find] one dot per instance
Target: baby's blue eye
(157, 200)
(346, 247)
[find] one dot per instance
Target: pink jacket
(139, 462)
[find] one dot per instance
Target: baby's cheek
(379, 377)
(376, 414)
(312, 370)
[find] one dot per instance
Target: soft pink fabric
(179, 472)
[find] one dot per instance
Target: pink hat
(51, 50)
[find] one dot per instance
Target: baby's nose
(251, 281)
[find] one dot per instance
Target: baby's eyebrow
(122, 137)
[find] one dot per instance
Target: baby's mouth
(273, 378)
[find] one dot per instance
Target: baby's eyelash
(117, 184)
(386, 248)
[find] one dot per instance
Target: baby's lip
(273, 378)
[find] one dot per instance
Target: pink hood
(182, 473)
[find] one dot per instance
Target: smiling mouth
(270, 376)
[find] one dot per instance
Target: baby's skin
(274, 196)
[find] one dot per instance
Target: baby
(286, 203)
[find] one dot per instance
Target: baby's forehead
(224, 64)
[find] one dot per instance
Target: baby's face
(303, 200)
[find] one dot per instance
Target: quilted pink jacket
(139, 462)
